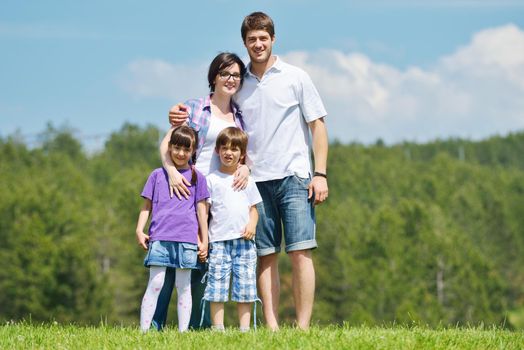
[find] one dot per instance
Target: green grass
(54, 336)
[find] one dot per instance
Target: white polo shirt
(276, 110)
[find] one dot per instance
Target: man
(280, 105)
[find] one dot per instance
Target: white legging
(157, 276)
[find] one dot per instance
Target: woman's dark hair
(222, 61)
(185, 136)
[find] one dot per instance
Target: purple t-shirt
(173, 219)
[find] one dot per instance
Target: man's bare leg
(303, 285)
(269, 288)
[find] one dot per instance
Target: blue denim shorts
(171, 254)
(237, 257)
(285, 205)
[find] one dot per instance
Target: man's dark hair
(257, 21)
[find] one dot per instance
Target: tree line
(428, 233)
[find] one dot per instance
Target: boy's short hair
(232, 136)
(257, 21)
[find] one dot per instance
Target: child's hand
(249, 232)
(202, 252)
(142, 239)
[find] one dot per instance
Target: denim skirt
(171, 254)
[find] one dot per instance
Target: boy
(231, 231)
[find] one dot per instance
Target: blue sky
(396, 70)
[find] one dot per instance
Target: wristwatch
(316, 173)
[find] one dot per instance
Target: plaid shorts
(236, 256)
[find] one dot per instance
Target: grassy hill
(26, 336)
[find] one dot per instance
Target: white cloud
(474, 92)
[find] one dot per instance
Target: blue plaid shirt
(200, 115)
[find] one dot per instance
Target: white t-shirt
(229, 208)
(276, 111)
(208, 160)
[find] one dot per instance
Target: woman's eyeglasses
(224, 75)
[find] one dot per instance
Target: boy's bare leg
(217, 314)
(303, 285)
(269, 288)
(244, 315)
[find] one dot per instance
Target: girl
(173, 241)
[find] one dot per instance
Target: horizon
(97, 143)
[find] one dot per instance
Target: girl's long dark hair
(185, 136)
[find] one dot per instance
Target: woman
(208, 116)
